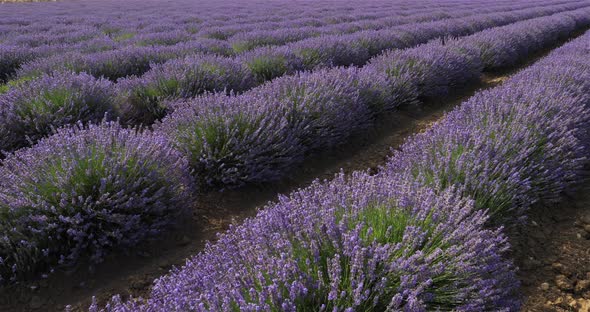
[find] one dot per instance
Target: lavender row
(31, 109)
(257, 136)
(94, 35)
(414, 236)
(144, 98)
(193, 24)
(135, 60)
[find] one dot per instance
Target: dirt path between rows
(132, 273)
(553, 254)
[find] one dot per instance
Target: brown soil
(132, 273)
(553, 253)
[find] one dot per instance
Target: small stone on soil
(184, 241)
(563, 282)
(545, 286)
(36, 302)
(560, 268)
(582, 285)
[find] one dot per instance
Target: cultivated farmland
(328, 155)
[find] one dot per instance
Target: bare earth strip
(553, 253)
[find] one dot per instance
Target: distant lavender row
(413, 237)
(91, 34)
(257, 136)
(211, 13)
(144, 98)
(31, 109)
(97, 25)
(91, 27)
(307, 54)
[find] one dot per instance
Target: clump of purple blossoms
(267, 63)
(11, 58)
(143, 99)
(257, 135)
(433, 69)
(512, 145)
(31, 110)
(368, 243)
(83, 192)
(232, 139)
(112, 65)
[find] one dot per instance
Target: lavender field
(332, 155)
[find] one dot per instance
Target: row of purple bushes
(256, 136)
(416, 236)
(98, 42)
(143, 100)
(90, 189)
(268, 62)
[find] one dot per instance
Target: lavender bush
(433, 69)
(370, 243)
(512, 145)
(112, 65)
(268, 63)
(228, 139)
(11, 58)
(256, 136)
(84, 191)
(31, 109)
(142, 99)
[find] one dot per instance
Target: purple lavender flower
(30, 110)
(11, 58)
(83, 192)
(368, 243)
(142, 99)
